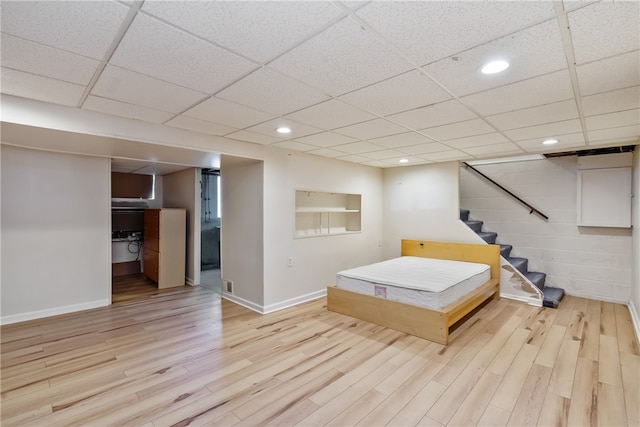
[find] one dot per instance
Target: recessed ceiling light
(403, 161)
(283, 129)
(550, 141)
(494, 67)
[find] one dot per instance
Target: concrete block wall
(590, 262)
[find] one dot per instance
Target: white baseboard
(295, 301)
(635, 319)
(595, 297)
(531, 301)
(274, 307)
(189, 281)
(32, 315)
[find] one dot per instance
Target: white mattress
(427, 282)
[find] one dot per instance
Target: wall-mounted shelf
(320, 213)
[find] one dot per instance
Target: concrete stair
(552, 296)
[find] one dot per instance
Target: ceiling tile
(395, 161)
(434, 115)
(564, 142)
(372, 129)
(133, 88)
(272, 92)
(377, 163)
(354, 159)
(84, 28)
(563, 110)
(30, 86)
(611, 120)
(227, 113)
(476, 141)
(298, 130)
(458, 130)
(330, 115)
(576, 4)
(623, 133)
(501, 149)
(401, 140)
(532, 52)
(384, 154)
(358, 147)
(609, 74)
(382, 98)
(326, 139)
(121, 109)
(610, 102)
(444, 156)
(605, 29)
(545, 131)
(326, 61)
(408, 25)
(36, 58)
(327, 152)
(257, 138)
(158, 50)
(201, 126)
(431, 147)
(529, 93)
(293, 145)
(268, 28)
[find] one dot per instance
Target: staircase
(552, 296)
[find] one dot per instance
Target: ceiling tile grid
(365, 82)
(155, 49)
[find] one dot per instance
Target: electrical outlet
(290, 262)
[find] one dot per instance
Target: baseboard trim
(277, 306)
(33, 315)
(595, 297)
(531, 301)
(635, 319)
(243, 302)
(189, 281)
(295, 301)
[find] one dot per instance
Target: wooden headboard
(485, 254)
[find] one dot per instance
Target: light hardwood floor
(185, 357)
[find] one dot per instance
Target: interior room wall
(315, 260)
(56, 233)
(181, 190)
(422, 202)
(634, 298)
(590, 262)
(241, 230)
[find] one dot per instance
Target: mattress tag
(380, 291)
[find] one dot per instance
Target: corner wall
(589, 262)
(56, 233)
(422, 203)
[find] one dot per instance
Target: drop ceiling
(365, 82)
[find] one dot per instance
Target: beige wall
(634, 300)
(56, 233)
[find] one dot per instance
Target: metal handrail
(531, 208)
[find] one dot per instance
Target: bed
(429, 323)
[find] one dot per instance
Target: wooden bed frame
(430, 324)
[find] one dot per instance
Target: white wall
(56, 233)
(634, 298)
(421, 202)
(316, 260)
(590, 262)
(180, 190)
(241, 230)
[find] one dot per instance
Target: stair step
(505, 250)
(536, 278)
(521, 264)
(488, 237)
(474, 225)
(464, 214)
(552, 297)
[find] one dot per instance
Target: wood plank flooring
(183, 356)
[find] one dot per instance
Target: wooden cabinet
(323, 214)
(164, 246)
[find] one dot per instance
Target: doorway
(210, 276)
